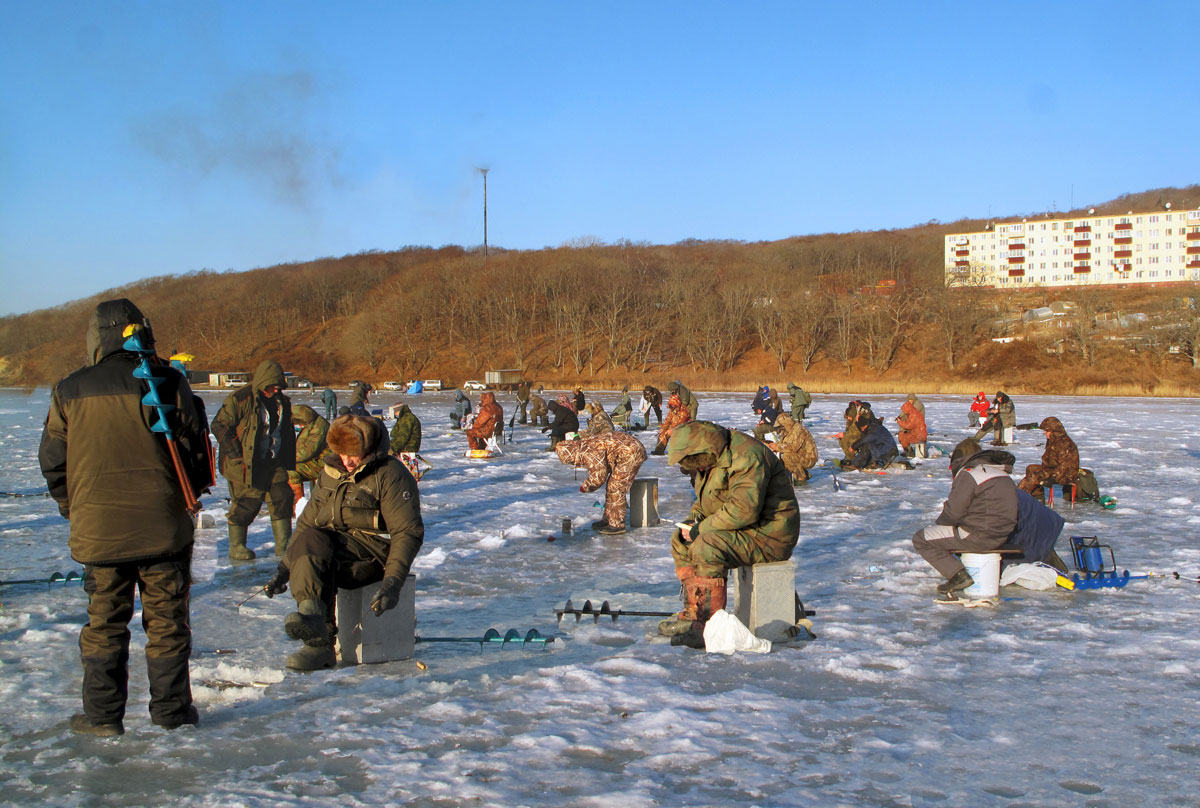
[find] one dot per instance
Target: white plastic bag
(1030, 576)
(724, 634)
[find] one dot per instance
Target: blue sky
(156, 138)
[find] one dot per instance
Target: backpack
(1086, 487)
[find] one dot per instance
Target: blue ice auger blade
(151, 399)
(142, 371)
(510, 636)
(133, 343)
(161, 426)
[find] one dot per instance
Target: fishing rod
(24, 494)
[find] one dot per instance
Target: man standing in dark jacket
(114, 479)
(361, 526)
(523, 392)
(979, 514)
(406, 432)
(258, 448)
(651, 400)
(329, 399)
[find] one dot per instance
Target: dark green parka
(110, 475)
(242, 429)
(376, 506)
(406, 432)
(748, 489)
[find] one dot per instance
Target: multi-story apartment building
(1161, 246)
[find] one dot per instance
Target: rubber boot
(308, 623)
(312, 657)
(682, 621)
(82, 725)
(659, 449)
(238, 551)
(956, 583)
(282, 528)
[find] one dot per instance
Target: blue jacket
(1037, 528)
(874, 446)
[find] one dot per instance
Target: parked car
(236, 382)
(472, 384)
(432, 384)
(394, 386)
(303, 384)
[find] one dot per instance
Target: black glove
(544, 429)
(388, 595)
(278, 584)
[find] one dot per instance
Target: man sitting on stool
(978, 516)
(362, 525)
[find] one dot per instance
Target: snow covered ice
(1053, 698)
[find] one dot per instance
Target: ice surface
(1052, 699)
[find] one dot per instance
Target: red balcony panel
(1016, 273)
(961, 253)
(1123, 240)
(1085, 242)
(1082, 269)
(1016, 260)
(1122, 268)
(1126, 226)
(962, 263)
(1193, 236)
(1123, 254)
(1083, 256)
(1015, 246)
(1193, 264)
(1083, 228)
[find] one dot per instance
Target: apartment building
(1161, 246)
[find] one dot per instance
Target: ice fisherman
(979, 514)
(538, 412)
(329, 399)
(360, 398)
(686, 396)
(612, 460)
(489, 422)
(598, 420)
(258, 448)
(622, 413)
(361, 526)
(565, 420)
(116, 483)
(677, 416)
(875, 447)
(796, 448)
(462, 408)
(310, 448)
(651, 400)
(744, 513)
(523, 392)
(406, 432)
(1002, 415)
(1060, 461)
(979, 409)
(800, 400)
(911, 421)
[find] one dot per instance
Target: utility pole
(484, 172)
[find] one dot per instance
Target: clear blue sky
(156, 138)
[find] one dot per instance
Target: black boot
(956, 582)
(308, 623)
(82, 725)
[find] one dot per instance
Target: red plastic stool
(1050, 493)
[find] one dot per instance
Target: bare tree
(1089, 301)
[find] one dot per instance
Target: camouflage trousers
(164, 586)
(714, 554)
(616, 492)
(1037, 476)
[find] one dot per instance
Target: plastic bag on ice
(724, 634)
(1030, 576)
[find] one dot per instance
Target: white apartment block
(1146, 248)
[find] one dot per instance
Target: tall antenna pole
(484, 172)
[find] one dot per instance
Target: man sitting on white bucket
(978, 516)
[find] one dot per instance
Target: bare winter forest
(866, 311)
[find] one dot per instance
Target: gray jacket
(983, 498)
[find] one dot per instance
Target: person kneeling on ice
(875, 447)
(745, 513)
(362, 525)
(978, 516)
(489, 422)
(612, 460)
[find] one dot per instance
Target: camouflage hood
(1053, 426)
(697, 437)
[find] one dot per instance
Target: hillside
(719, 314)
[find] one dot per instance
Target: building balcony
(1084, 242)
(1123, 240)
(1083, 256)
(1016, 273)
(1083, 228)
(1123, 254)
(1193, 236)
(1016, 246)
(1082, 270)
(1017, 260)
(962, 263)
(1193, 250)
(962, 253)
(1126, 226)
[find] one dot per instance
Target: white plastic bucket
(1007, 434)
(984, 569)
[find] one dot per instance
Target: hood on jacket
(697, 437)
(266, 374)
(358, 436)
(1052, 425)
(106, 326)
(487, 398)
(303, 414)
(968, 454)
(784, 422)
(793, 387)
(401, 411)
(459, 395)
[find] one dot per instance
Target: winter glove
(388, 595)
(278, 584)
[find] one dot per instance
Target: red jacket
(980, 405)
(489, 417)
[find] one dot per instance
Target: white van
(432, 384)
